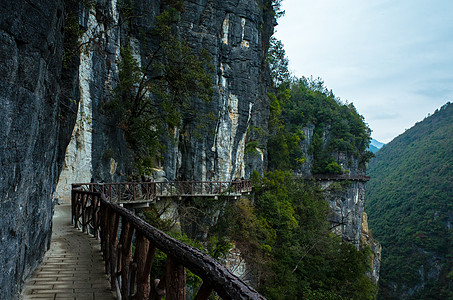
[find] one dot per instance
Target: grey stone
(30, 65)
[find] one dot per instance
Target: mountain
(171, 90)
(375, 145)
(63, 57)
(410, 210)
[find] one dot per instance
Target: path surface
(72, 268)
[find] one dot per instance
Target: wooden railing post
(204, 292)
(73, 195)
(76, 209)
(113, 252)
(127, 232)
(144, 256)
(175, 280)
(94, 216)
(84, 215)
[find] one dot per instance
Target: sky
(393, 59)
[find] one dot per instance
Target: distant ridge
(410, 209)
(375, 145)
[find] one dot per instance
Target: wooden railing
(124, 192)
(341, 177)
(129, 267)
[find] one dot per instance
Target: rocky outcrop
(31, 46)
(376, 250)
(349, 164)
(346, 199)
(348, 219)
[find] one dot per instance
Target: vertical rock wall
(31, 44)
(346, 200)
(376, 250)
(235, 33)
(78, 163)
(348, 219)
(97, 148)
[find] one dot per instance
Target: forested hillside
(410, 209)
(309, 125)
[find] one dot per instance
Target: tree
(278, 62)
(152, 99)
(286, 240)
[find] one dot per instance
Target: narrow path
(72, 268)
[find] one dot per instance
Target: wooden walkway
(72, 268)
(146, 192)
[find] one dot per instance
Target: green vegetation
(283, 235)
(298, 103)
(337, 127)
(195, 229)
(152, 100)
(410, 209)
(285, 238)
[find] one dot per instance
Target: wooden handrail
(124, 192)
(334, 177)
(130, 270)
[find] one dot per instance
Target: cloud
(392, 59)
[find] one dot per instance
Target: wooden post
(175, 279)
(131, 278)
(144, 256)
(104, 233)
(76, 208)
(72, 204)
(204, 291)
(133, 186)
(113, 245)
(95, 217)
(84, 212)
(127, 232)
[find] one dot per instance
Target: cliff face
(346, 200)
(348, 219)
(39, 103)
(349, 164)
(31, 43)
(235, 33)
(376, 250)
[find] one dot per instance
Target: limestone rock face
(348, 219)
(346, 200)
(235, 33)
(96, 145)
(376, 250)
(31, 44)
(349, 163)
